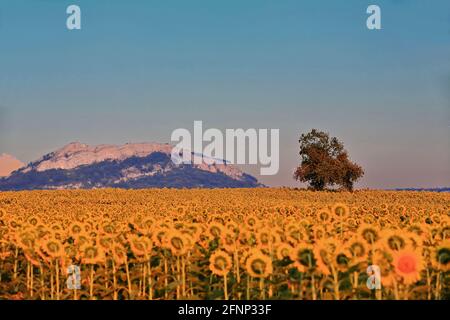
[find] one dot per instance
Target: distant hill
(130, 166)
(445, 189)
(9, 164)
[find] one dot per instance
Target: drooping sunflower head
(251, 221)
(177, 243)
(119, 254)
(137, 245)
(342, 259)
(215, 230)
(147, 223)
(319, 232)
(34, 221)
(393, 240)
(108, 228)
(323, 250)
(159, 235)
(267, 238)
(283, 251)
(70, 251)
(76, 228)
(92, 254)
(81, 239)
(351, 223)
(229, 241)
(259, 265)
(324, 215)
(220, 263)
(357, 249)
(303, 257)
(441, 257)
(340, 210)
(105, 241)
(26, 238)
(52, 247)
(369, 233)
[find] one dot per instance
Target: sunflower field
(224, 244)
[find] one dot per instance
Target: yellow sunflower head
(369, 233)
(259, 265)
(303, 257)
(340, 210)
(441, 256)
(408, 264)
(92, 254)
(220, 263)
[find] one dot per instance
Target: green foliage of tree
(325, 162)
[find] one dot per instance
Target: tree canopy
(325, 162)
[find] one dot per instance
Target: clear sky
(140, 69)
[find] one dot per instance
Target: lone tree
(325, 162)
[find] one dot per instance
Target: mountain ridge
(132, 165)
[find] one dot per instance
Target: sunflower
(340, 210)
(229, 241)
(71, 251)
(159, 235)
(147, 223)
(266, 238)
(408, 264)
(369, 233)
(195, 230)
(81, 239)
(295, 235)
(251, 222)
(351, 223)
(441, 257)
(34, 221)
(76, 228)
(105, 242)
(137, 245)
(393, 240)
(108, 228)
(92, 254)
(342, 259)
(52, 248)
(119, 254)
(220, 263)
(319, 232)
(357, 249)
(26, 238)
(283, 251)
(232, 226)
(247, 237)
(215, 229)
(323, 250)
(303, 257)
(177, 243)
(324, 215)
(259, 265)
(14, 224)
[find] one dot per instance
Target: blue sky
(140, 69)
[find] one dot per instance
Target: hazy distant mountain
(133, 165)
(444, 189)
(9, 164)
